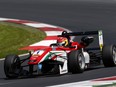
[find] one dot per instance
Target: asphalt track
(76, 15)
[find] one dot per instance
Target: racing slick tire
(109, 56)
(12, 66)
(76, 62)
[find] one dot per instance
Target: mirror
(87, 40)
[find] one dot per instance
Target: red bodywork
(36, 58)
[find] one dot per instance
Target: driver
(62, 41)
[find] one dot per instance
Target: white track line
(53, 33)
(39, 25)
(88, 83)
(5, 19)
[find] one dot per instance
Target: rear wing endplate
(100, 35)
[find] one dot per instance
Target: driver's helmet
(62, 41)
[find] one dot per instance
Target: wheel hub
(81, 61)
(114, 55)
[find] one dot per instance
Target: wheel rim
(81, 61)
(114, 55)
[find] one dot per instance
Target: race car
(64, 56)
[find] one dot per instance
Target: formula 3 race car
(64, 56)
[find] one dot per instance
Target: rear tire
(12, 66)
(109, 56)
(76, 62)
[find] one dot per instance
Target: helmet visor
(61, 43)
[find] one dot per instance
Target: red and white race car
(63, 56)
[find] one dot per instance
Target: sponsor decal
(52, 55)
(38, 53)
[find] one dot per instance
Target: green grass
(14, 36)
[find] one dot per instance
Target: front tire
(109, 56)
(12, 66)
(76, 62)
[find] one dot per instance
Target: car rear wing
(99, 33)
